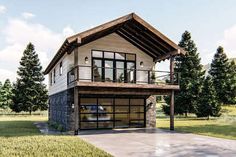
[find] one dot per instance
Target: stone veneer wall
(151, 112)
(60, 110)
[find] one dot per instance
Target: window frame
(54, 75)
(60, 68)
(103, 59)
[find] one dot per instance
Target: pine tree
(208, 105)
(0, 92)
(6, 95)
(231, 84)
(191, 79)
(220, 75)
(30, 93)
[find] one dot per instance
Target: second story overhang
(132, 28)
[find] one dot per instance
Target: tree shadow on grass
(18, 128)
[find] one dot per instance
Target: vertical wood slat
(172, 94)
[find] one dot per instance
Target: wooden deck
(125, 88)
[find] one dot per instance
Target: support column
(172, 94)
(76, 95)
(76, 110)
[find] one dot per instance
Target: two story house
(105, 77)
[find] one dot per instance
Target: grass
(222, 127)
(19, 137)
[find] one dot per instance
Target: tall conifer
(30, 93)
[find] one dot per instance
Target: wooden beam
(165, 47)
(101, 27)
(155, 31)
(172, 94)
(168, 55)
(135, 44)
(142, 38)
(127, 85)
(140, 42)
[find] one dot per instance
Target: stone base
(151, 112)
(60, 110)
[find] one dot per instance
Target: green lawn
(19, 137)
(223, 127)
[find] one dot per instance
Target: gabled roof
(132, 28)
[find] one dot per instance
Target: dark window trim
(60, 69)
(114, 64)
(51, 79)
(54, 75)
(114, 113)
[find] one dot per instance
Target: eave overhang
(130, 27)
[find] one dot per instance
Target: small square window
(109, 55)
(97, 54)
(54, 75)
(60, 68)
(50, 78)
(120, 56)
(130, 57)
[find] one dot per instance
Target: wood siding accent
(113, 42)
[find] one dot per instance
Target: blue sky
(48, 23)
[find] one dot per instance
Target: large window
(113, 66)
(111, 112)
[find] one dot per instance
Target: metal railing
(120, 75)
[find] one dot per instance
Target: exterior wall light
(141, 64)
(86, 60)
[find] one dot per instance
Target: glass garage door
(103, 113)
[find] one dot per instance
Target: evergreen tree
(220, 75)
(191, 79)
(0, 92)
(208, 105)
(231, 85)
(30, 92)
(6, 95)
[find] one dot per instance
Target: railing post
(148, 76)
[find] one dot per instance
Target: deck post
(172, 94)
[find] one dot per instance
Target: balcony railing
(120, 75)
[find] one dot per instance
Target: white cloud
(7, 74)
(28, 15)
(3, 9)
(68, 31)
(229, 41)
(18, 33)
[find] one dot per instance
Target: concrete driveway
(155, 142)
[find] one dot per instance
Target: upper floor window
(54, 75)
(50, 78)
(113, 67)
(60, 68)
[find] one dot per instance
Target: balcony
(88, 76)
